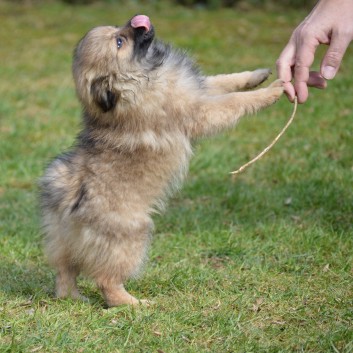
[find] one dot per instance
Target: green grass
(260, 263)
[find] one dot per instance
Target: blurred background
(193, 3)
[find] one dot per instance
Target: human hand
(331, 23)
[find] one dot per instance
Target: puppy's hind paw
(73, 296)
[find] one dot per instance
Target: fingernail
(328, 72)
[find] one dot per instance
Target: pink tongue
(141, 21)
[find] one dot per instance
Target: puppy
(143, 105)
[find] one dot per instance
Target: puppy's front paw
(277, 83)
(276, 89)
(258, 76)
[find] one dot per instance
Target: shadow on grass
(29, 283)
(22, 272)
(211, 203)
(24, 280)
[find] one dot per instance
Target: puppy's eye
(119, 42)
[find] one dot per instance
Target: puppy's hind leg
(59, 257)
(124, 256)
(66, 284)
(115, 295)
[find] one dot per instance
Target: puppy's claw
(73, 297)
(146, 302)
(265, 73)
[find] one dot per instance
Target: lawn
(258, 263)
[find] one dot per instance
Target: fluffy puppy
(143, 105)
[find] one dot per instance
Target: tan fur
(97, 200)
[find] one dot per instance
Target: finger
(284, 67)
(316, 80)
(304, 59)
(301, 90)
(285, 62)
(289, 91)
(333, 57)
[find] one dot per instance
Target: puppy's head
(105, 58)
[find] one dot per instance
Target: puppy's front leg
(226, 83)
(212, 114)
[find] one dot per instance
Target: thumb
(333, 57)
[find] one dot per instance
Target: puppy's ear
(104, 97)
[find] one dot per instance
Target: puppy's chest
(144, 168)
